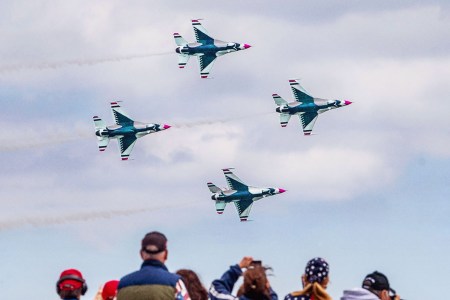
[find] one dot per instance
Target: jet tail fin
(182, 60)
(99, 123)
(278, 100)
(213, 188)
(102, 141)
(179, 40)
(284, 119)
(220, 206)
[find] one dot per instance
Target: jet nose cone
(166, 126)
(281, 190)
(246, 46)
(346, 102)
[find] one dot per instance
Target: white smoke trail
(75, 62)
(40, 221)
(224, 120)
(31, 138)
(49, 136)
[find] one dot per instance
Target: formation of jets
(126, 131)
(307, 108)
(240, 194)
(207, 49)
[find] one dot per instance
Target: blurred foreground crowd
(153, 281)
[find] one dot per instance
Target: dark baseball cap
(377, 281)
(154, 242)
(316, 270)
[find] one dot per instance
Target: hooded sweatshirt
(359, 294)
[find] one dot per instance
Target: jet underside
(233, 195)
(136, 129)
(300, 108)
(216, 48)
(205, 48)
(126, 131)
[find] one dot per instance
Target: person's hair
(158, 256)
(315, 289)
(255, 284)
(194, 287)
(65, 294)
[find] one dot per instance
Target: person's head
(71, 284)
(316, 270)
(193, 285)
(315, 279)
(256, 285)
(378, 284)
(109, 290)
(154, 246)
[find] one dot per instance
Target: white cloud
(398, 111)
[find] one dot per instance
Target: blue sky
(368, 192)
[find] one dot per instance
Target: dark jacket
(152, 281)
(221, 288)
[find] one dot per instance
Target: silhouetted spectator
(256, 286)
(314, 281)
(153, 280)
(71, 285)
(374, 287)
(195, 288)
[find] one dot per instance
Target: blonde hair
(315, 289)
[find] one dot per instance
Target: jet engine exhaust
(74, 62)
(40, 221)
(218, 121)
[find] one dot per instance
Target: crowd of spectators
(153, 281)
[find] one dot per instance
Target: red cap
(110, 290)
(70, 279)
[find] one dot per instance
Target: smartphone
(256, 263)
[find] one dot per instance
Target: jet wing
(243, 208)
(308, 120)
(284, 119)
(126, 144)
(299, 92)
(201, 34)
(119, 115)
(206, 63)
(234, 183)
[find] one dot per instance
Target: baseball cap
(70, 279)
(316, 270)
(154, 242)
(110, 290)
(377, 281)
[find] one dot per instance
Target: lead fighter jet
(307, 108)
(126, 131)
(207, 49)
(240, 194)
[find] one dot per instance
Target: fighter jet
(126, 131)
(207, 49)
(240, 194)
(307, 108)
